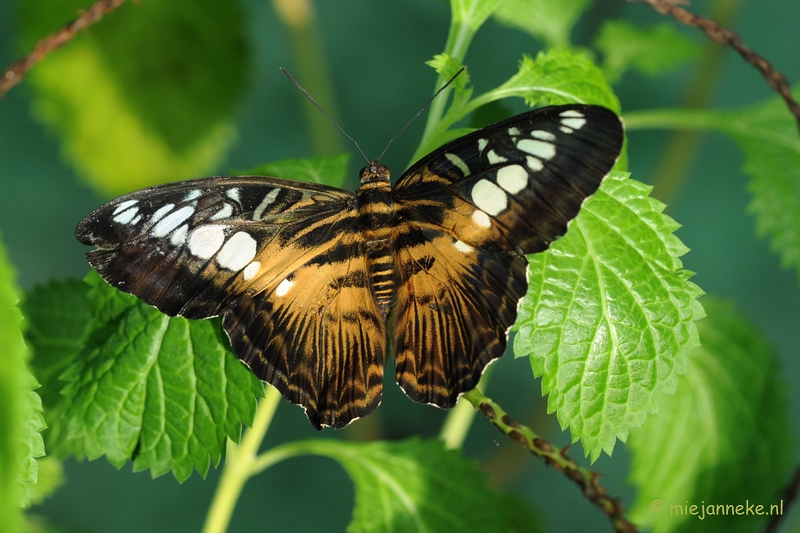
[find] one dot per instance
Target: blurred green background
(375, 53)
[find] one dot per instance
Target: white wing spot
(283, 287)
(576, 123)
(205, 241)
(482, 144)
(124, 205)
(457, 161)
(566, 130)
(237, 252)
(541, 149)
(534, 164)
(172, 221)
(126, 216)
(225, 212)
(463, 247)
(543, 135)
(268, 199)
(513, 131)
(233, 194)
(251, 270)
(158, 215)
(512, 178)
(136, 220)
(494, 158)
(192, 195)
(481, 219)
(572, 113)
(489, 197)
(179, 236)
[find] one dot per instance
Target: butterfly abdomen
(376, 215)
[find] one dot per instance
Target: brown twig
(728, 38)
(16, 70)
(788, 495)
(587, 480)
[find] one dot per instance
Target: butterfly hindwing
(477, 205)
(317, 335)
(453, 307)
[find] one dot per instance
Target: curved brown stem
(587, 480)
(13, 74)
(726, 37)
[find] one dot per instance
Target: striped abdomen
(376, 212)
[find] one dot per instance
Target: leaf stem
(555, 457)
(239, 465)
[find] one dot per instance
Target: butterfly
(316, 285)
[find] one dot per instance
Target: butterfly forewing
(194, 247)
(523, 178)
(305, 275)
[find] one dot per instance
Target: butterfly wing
(473, 208)
(282, 260)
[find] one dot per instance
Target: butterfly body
(308, 278)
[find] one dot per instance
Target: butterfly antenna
(326, 114)
(443, 87)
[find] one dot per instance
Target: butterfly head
(374, 172)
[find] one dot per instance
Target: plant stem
(555, 457)
(308, 58)
(676, 160)
(459, 419)
(238, 467)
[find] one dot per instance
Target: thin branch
(726, 37)
(587, 480)
(789, 496)
(16, 70)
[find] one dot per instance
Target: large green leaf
(163, 391)
(147, 96)
(328, 170)
(767, 133)
(417, 486)
(723, 438)
(609, 315)
(653, 50)
(20, 409)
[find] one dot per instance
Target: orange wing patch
(453, 307)
(317, 335)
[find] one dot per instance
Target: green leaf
(418, 486)
(148, 95)
(555, 77)
(723, 438)
(50, 476)
(558, 77)
(473, 13)
(653, 50)
(57, 314)
(549, 20)
(164, 391)
(767, 133)
(609, 315)
(328, 170)
(20, 441)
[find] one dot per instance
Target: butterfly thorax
(376, 214)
